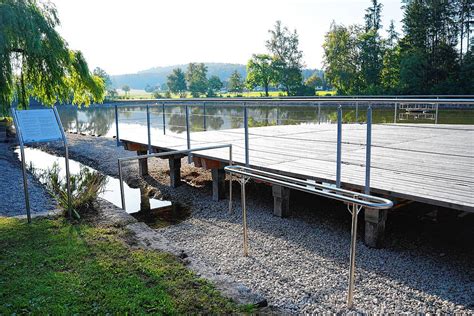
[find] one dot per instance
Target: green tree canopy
(196, 76)
(288, 59)
(314, 81)
(236, 83)
(126, 89)
(260, 72)
(35, 60)
(176, 82)
(341, 58)
(215, 84)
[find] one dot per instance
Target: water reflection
(136, 199)
(100, 119)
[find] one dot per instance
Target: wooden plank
(428, 163)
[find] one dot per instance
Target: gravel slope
(12, 198)
(301, 263)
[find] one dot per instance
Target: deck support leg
(175, 171)
(375, 227)
(218, 184)
(142, 164)
(281, 201)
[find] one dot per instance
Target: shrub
(85, 187)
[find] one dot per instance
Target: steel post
(77, 121)
(436, 115)
(395, 113)
(23, 164)
(148, 127)
(68, 182)
(66, 155)
(246, 129)
(188, 133)
(204, 120)
(117, 137)
(122, 194)
(357, 112)
(230, 179)
(25, 183)
(368, 148)
(350, 292)
(164, 118)
(319, 112)
(244, 216)
(339, 146)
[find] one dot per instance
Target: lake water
(136, 199)
(100, 119)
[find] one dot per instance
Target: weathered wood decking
(427, 163)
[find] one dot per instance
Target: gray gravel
(301, 264)
(12, 199)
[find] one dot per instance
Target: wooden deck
(427, 163)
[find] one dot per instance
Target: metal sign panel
(38, 126)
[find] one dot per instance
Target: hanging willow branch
(46, 68)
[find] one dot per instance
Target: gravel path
(301, 263)
(12, 198)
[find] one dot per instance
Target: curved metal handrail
(355, 199)
(339, 194)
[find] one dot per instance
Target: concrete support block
(142, 164)
(175, 171)
(218, 184)
(375, 227)
(281, 201)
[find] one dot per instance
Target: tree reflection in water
(100, 119)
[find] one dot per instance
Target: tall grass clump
(86, 186)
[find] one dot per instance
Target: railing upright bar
(395, 113)
(357, 112)
(244, 217)
(436, 115)
(319, 112)
(77, 120)
(246, 129)
(148, 126)
(122, 193)
(350, 294)
(368, 150)
(188, 133)
(339, 147)
(204, 121)
(163, 117)
(117, 136)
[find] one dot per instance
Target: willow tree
(35, 60)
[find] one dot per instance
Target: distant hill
(157, 75)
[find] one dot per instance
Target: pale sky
(123, 36)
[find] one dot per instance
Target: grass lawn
(54, 267)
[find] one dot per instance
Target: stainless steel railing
(355, 200)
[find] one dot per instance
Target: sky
(124, 36)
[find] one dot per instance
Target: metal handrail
(339, 194)
(170, 153)
(355, 199)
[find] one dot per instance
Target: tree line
(434, 55)
(281, 67)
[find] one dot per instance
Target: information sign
(38, 126)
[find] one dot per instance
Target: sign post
(40, 126)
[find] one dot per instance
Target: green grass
(53, 267)
(141, 94)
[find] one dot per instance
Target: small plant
(86, 186)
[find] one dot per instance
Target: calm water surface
(100, 119)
